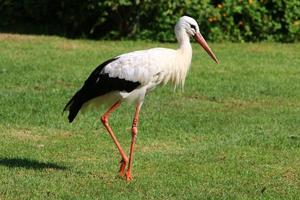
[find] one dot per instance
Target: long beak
(199, 38)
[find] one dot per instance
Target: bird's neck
(184, 55)
(185, 47)
(184, 41)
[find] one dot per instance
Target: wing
(97, 84)
(141, 66)
(124, 73)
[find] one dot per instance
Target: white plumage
(130, 76)
(150, 68)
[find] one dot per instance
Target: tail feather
(73, 110)
(67, 107)
(73, 106)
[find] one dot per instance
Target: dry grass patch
(67, 45)
(16, 37)
(290, 175)
(161, 146)
(26, 135)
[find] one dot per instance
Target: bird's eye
(193, 26)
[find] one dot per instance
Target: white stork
(129, 77)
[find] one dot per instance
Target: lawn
(233, 133)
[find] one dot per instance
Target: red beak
(199, 38)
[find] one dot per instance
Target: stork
(129, 77)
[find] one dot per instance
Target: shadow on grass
(29, 164)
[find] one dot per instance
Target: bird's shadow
(29, 164)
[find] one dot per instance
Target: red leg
(133, 139)
(104, 120)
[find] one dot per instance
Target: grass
(234, 133)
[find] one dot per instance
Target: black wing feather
(97, 84)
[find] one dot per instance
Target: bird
(131, 76)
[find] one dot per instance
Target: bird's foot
(122, 167)
(128, 176)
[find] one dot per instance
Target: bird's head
(191, 28)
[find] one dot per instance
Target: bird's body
(134, 75)
(129, 77)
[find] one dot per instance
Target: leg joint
(104, 119)
(134, 131)
(134, 123)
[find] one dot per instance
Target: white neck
(184, 56)
(183, 40)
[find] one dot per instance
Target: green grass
(234, 133)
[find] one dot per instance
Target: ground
(233, 133)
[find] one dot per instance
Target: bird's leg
(104, 120)
(133, 139)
